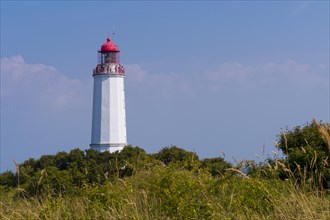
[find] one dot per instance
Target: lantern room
(109, 53)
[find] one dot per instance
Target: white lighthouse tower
(109, 118)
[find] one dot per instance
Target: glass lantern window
(109, 57)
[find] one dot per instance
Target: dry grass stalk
(238, 171)
(17, 171)
(324, 133)
(285, 142)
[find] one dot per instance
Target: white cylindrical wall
(109, 117)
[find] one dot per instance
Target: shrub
(307, 151)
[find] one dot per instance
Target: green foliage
(45, 161)
(180, 192)
(177, 155)
(216, 166)
(253, 195)
(8, 179)
(64, 172)
(172, 192)
(174, 154)
(173, 184)
(307, 154)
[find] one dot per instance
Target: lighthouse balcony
(106, 69)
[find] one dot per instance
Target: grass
(156, 191)
(171, 193)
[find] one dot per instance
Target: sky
(220, 78)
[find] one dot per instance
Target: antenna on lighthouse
(113, 33)
(113, 30)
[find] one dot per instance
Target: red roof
(109, 47)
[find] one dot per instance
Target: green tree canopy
(174, 154)
(216, 166)
(307, 153)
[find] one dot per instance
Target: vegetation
(307, 151)
(174, 184)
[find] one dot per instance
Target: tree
(307, 151)
(62, 160)
(8, 179)
(174, 154)
(46, 161)
(215, 166)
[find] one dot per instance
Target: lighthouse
(109, 117)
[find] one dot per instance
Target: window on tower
(109, 57)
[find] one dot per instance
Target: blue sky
(211, 77)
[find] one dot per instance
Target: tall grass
(173, 193)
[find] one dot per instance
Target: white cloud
(38, 84)
(15, 69)
(229, 76)
(224, 76)
(44, 85)
(137, 74)
(268, 73)
(156, 85)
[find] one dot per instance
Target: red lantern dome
(109, 47)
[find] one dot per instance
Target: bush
(307, 151)
(174, 154)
